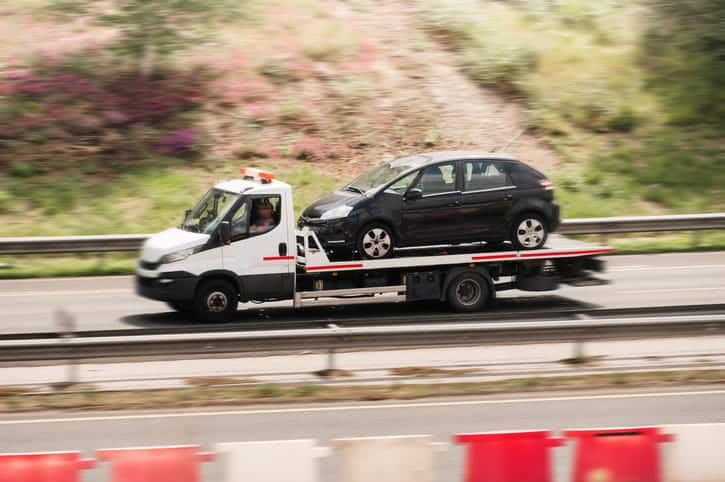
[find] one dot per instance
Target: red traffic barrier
(508, 457)
(618, 455)
(155, 464)
(43, 467)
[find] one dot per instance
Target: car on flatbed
(435, 199)
(239, 244)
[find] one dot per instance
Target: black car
(437, 198)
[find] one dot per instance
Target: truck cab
(237, 243)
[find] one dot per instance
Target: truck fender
(222, 274)
(481, 270)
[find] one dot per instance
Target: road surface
(87, 431)
(110, 302)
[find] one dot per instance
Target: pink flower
(308, 149)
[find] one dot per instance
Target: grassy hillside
(319, 90)
(629, 93)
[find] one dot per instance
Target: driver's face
(264, 211)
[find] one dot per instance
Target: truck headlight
(179, 255)
(338, 212)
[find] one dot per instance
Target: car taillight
(546, 184)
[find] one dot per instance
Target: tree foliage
(151, 30)
(684, 51)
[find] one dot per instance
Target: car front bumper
(332, 233)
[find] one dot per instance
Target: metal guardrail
(338, 338)
(133, 242)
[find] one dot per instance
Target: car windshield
(207, 214)
(384, 173)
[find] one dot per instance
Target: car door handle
(508, 197)
(453, 204)
(282, 249)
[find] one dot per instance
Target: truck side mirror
(225, 232)
(187, 213)
(414, 193)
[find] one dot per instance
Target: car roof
(426, 158)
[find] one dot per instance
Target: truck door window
(266, 214)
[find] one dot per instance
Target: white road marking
(346, 408)
(665, 268)
(15, 294)
(672, 290)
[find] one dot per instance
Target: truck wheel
(375, 241)
(181, 306)
(529, 231)
(216, 300)
(468, 292)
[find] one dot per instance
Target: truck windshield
(210, 210)
(384, 173)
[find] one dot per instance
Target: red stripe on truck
(566, 253)
(277, 258)
(334, 266)
(493, 256)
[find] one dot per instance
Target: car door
(486, 198)
(433, 217)
(259, 252)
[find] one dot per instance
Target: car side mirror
(187, 213)
(415, 193)
(225, 232)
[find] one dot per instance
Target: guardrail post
(66, 323)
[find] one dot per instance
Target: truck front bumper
(176, 286)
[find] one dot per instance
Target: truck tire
(216, 300)
(181, 306)
(375, 241)
(529, 231)
(468, 292)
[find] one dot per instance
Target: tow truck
(216, 259)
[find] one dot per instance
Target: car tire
(375, 241)
(181, 306)
(216, 300)
(468, 292)
(529, 231)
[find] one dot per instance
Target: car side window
(481, 175)
(401, 185)
(437, 179)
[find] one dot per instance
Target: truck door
(260, 253)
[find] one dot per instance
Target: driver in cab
(263, 216)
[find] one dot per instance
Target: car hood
(331, 201)
(170, 241)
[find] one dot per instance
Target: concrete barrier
(386, 459)
(698, 454)
(271, 461)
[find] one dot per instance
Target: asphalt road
(110, 302)
(440, 418)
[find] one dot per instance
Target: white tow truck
(240, 244)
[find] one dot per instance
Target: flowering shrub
(309, 149)
(178, 142)
(55, 101)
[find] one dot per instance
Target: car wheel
(181, 306)
(216, 300)
(529, 232)
(468, 292)
(375, 241)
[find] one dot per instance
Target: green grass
(580, 70)
(141, 200)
